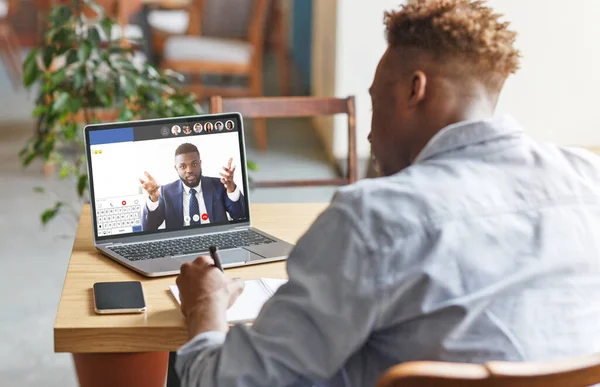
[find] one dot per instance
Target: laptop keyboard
(190, 245)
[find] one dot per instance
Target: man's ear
(418, 88)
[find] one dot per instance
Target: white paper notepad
(248, 305)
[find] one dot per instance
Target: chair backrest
(288, 107)
(239, 19)
(576, 372)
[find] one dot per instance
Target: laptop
(163, 191)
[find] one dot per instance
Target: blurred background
(231, 48)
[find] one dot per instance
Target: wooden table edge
(107, 340)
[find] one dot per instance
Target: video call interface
(167, 176)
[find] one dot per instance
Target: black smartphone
(119, 297)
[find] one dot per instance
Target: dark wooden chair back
(239, 19)
(577, 372)
(280, 107)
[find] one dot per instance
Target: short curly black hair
(186, 148)
(463, 29)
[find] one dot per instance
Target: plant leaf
(252, 166)
(48, 215)
(93, 35)
(58, 77)
(51, 213)
(39, 110)
(126, 114)
(64, 39)
(72, 56)
(129, 84)
(75, 104)
(48, 54)
(71, 130)
(30, 157)
(59, 15)
(24, 150)
(81, 184)
(64, 172)
(39, 189)
(84, 50)
(79, 78)
(61, 102)
(106, 25)
(31, 72)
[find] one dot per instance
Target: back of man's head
(465, 36)
(446, 62)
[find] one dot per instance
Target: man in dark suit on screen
(193, 199)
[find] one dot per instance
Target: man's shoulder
(584, 161)
(172, 186)
(374, 192)
(384, 202)
(213, 182)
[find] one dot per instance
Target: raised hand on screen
(227, 176)
(151, 186)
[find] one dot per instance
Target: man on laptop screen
(147, 179)
(160, 197)
(193, 198)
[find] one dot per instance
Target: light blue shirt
(486, 248)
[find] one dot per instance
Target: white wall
(324, 64)
(349, 40)
(555, 94)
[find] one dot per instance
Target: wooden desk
(78, 329)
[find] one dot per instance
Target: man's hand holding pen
(206, 293)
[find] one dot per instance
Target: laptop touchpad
(231, 257)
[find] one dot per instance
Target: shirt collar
(465, 133)
(186, 189)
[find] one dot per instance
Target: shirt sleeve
(150, 204)
(235, 195)
(312, 324)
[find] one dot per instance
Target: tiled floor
(33, 261)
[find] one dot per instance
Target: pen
(215, 256)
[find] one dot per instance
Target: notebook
(250, 302)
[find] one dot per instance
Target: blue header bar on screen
(109, 136)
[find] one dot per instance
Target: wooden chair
(576, 372)
(10, 48)
(172, 17)
(198, 55)
(278, 107)
(168, 19)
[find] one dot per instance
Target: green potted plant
(81, 76)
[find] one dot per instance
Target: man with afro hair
(477, 243)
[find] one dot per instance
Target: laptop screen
(166, 175)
